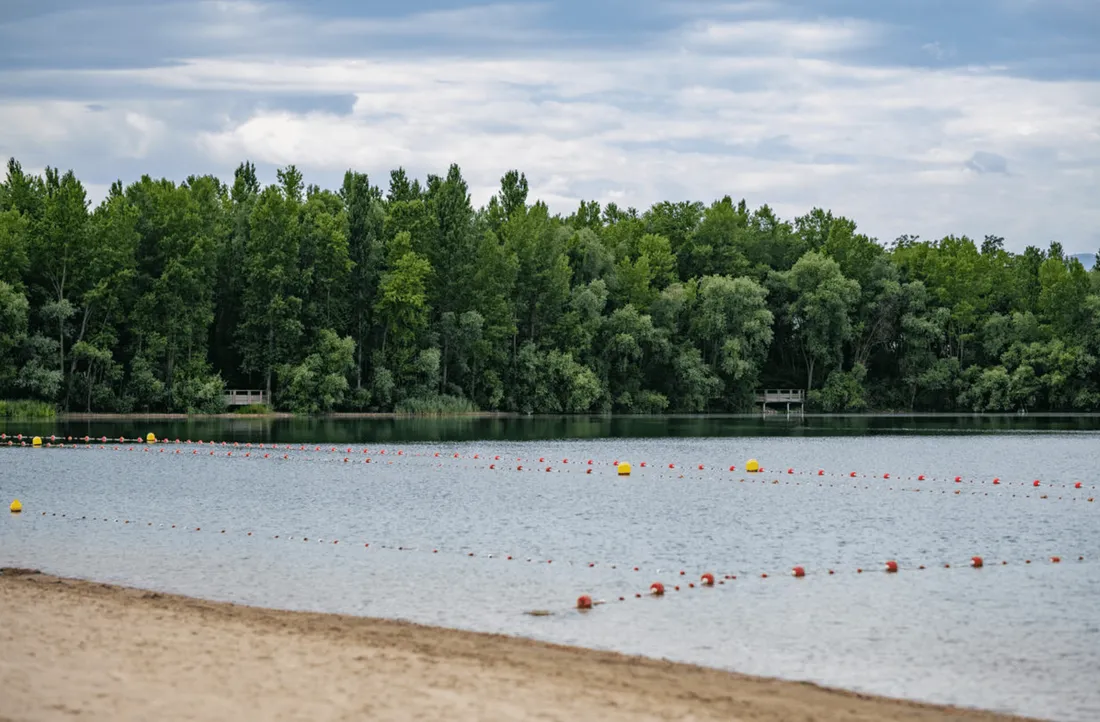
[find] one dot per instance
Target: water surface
(1022, 638)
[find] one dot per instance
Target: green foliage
(26, 410)
(438, 405)
(253, 410)
(166, 294)
(320, 382)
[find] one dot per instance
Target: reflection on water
(472, 428)
(1020, 637)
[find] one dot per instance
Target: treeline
(409, 298)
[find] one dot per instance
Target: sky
(919, 117)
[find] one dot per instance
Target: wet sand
(76, 649)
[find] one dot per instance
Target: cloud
(938, 51)
(800, 37)
(748, 101)
(982, 163)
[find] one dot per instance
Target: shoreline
(111, 652)
(67, 417)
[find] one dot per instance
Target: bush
(253, 410)
(438, 405)
(27, 410)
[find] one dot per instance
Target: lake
(1020, 637)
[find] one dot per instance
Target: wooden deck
(785, 397)
(244, 397)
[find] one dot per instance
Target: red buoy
(798, 572)
(821, 472)
(790, 471)
(920, 478)
(656, 589)
(1077, 485)
(976, 562)
(1035, 483)
(891, 566)
(707, 579)
(584, 602)
(1055, 560)
(733, 468)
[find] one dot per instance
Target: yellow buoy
(16, 507)
(151, 438)
(624, 469)
(36, 441)
(752, 465)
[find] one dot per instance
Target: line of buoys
(1077, 485)
(151, 439)
(584, 602)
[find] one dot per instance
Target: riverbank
(107, 652)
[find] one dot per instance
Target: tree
(820, 314)
(271, 327)
(733, 327)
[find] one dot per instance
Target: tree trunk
(270, 357)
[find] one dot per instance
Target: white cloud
(60, 127)
(768, 109)
(800, 37)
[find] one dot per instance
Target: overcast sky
(925, 117)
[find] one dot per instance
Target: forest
(407, 298)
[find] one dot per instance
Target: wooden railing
(781, 396)
(244, 397)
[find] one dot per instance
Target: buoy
(790, 471)
(997, 481)
(1055, 560)
(707, 579)
(1077, 485)
(891, 566)
(656, 589)
(1035, 483)
(624, 469)
(584, 602)
(821, 472)
(798, 572)
(151, 437)
(16, 507)
(976, 562)
(920, 478)
(885, 476)
(752, 466)
(36, 441)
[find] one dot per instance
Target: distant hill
(1088, 260)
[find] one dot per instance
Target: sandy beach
(95, 651)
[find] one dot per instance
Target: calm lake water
(1018, 637)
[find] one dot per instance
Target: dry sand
(73, 649)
